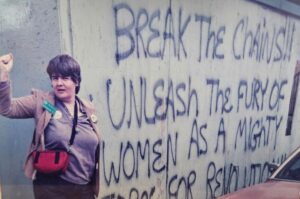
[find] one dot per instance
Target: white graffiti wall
(192, 96)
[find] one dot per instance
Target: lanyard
(75, 120)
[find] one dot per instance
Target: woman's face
(64, 87)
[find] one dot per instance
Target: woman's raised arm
(6, 64)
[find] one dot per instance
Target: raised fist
(6, 63)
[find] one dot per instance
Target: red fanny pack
(54, 161)
(50, 162)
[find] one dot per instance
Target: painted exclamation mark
(293, 99)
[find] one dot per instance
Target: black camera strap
(75, 120)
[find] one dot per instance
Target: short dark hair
(65, 65)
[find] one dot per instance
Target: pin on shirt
(94, 118)
(57, 115)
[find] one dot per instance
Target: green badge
(49, 107)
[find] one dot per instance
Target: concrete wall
(30, 30)
(192, 96)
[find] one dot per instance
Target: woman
(59, 115)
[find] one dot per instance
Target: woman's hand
(6, 64)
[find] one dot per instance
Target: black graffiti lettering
(218, 181)
(128, 149)
(219, 97)
(191, 181)
(182, 186)
(120, 197)
(172, 193)
(265, 173)
(108, 83)
(228, 178)
(290, 42)
(134, 193)
(226, 101)
(254, 132)
(151, 192)
(232, 179)
(278, 46)
(124, 31)
(139, 158)
(252, 97)
(170, 100)
(139, 28)
(263, 93)
(158, 100)
(169, 31)
(154, 36)
(157, 163)
(270, 119)
(219, 41)
(237, 53)
(211, 171)
(197, 139)
(214, 38)
(192, 93)
(181, 32)
(241, 131)
(181, 99)
(241, 94)
(112, 173)
(254, 138)
(141, 22)
(221, 132)
(279, 160)
(255, 50)
(179, 87)
(278, 123)
(259, 43)
(248, 39)
(212, 82)
(142, 153)
(144, 194)
(202, 19)
(269, 48)
(148, 120)
(172, 153)
(254, 178)
(276, 94)
(132, 100)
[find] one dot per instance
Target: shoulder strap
(75, 120)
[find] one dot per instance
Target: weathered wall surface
(30, 30)
(192, 96)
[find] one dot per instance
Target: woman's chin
(61, 96)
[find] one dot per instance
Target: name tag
(56, 114)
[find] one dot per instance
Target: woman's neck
(70, 105)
